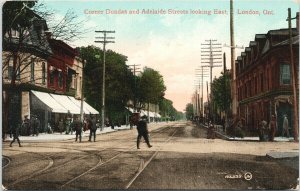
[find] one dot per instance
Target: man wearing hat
(141, 126)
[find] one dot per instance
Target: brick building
(264, 82)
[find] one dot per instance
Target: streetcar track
(51, 162)
(146, 164)
(100, 162)
(8, 159)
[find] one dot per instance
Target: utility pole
(225, 95)
(212, 55)
(201, 73)
(135, 70)
(294, 80)
(104, 42)
(82, 98)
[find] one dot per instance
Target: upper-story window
(60, 79)
(51, 79)
(14, 33)
(285, 74)
(43, 73)
(32, 71)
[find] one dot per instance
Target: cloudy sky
(170, 41)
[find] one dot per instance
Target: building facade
(264, 80)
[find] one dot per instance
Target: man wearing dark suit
(141, 126)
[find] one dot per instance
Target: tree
(189, 113)
(167, 110)
(221, 92)
(119, 81)
(151, 86)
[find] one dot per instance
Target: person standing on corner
(93, 128)
(141, 126)
(77, 125)
(285, 126)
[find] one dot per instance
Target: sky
(170, 41)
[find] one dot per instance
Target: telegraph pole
(201, 73)
(135, 70)
(104, 42)
(212, 55)
(294, 80)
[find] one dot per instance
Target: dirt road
(181, 158)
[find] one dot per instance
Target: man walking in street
(285, 126)
(141, 126)
(77, 126)
(15, 135)
(93, 128)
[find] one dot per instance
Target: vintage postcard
(151, 94)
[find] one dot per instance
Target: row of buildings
(264, 80)
(41, 76)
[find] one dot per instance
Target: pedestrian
(285, 126)
(141, 126)
(61, 126)
(93, 128)
(77, 126)
(262, 130)
(35, 125)
(273, 128)
(16, 133)
(26, 127)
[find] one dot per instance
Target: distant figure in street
(35, 124)
(93, 128)
(141, 126)
(77, 126)
(26, 127)
(15, 135)
(285, 126)
(262, 130)
(61, 126)
(273, 128)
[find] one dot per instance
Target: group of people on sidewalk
(268, 132)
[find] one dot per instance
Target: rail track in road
(99, 163)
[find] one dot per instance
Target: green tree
(119, 81)
(151, 86)
(189, 111)
(221, 92)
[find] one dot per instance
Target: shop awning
(49, 101)
(63, 103)
(87, 109)
(66, 103)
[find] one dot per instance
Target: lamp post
(81, 104)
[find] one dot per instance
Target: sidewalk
(57, 136)
(221, 134)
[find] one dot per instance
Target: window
(60, 79)
(51, 80)
(285, 74)
(10, 72)
(14, 33)
(32, 71)
(43, 73)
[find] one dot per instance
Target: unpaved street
(181, 158)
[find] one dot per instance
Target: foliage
(221, 92)
(118, 81)
(167, 110)
(189, 111)
(151, 86)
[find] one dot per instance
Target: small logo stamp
(248, 176)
